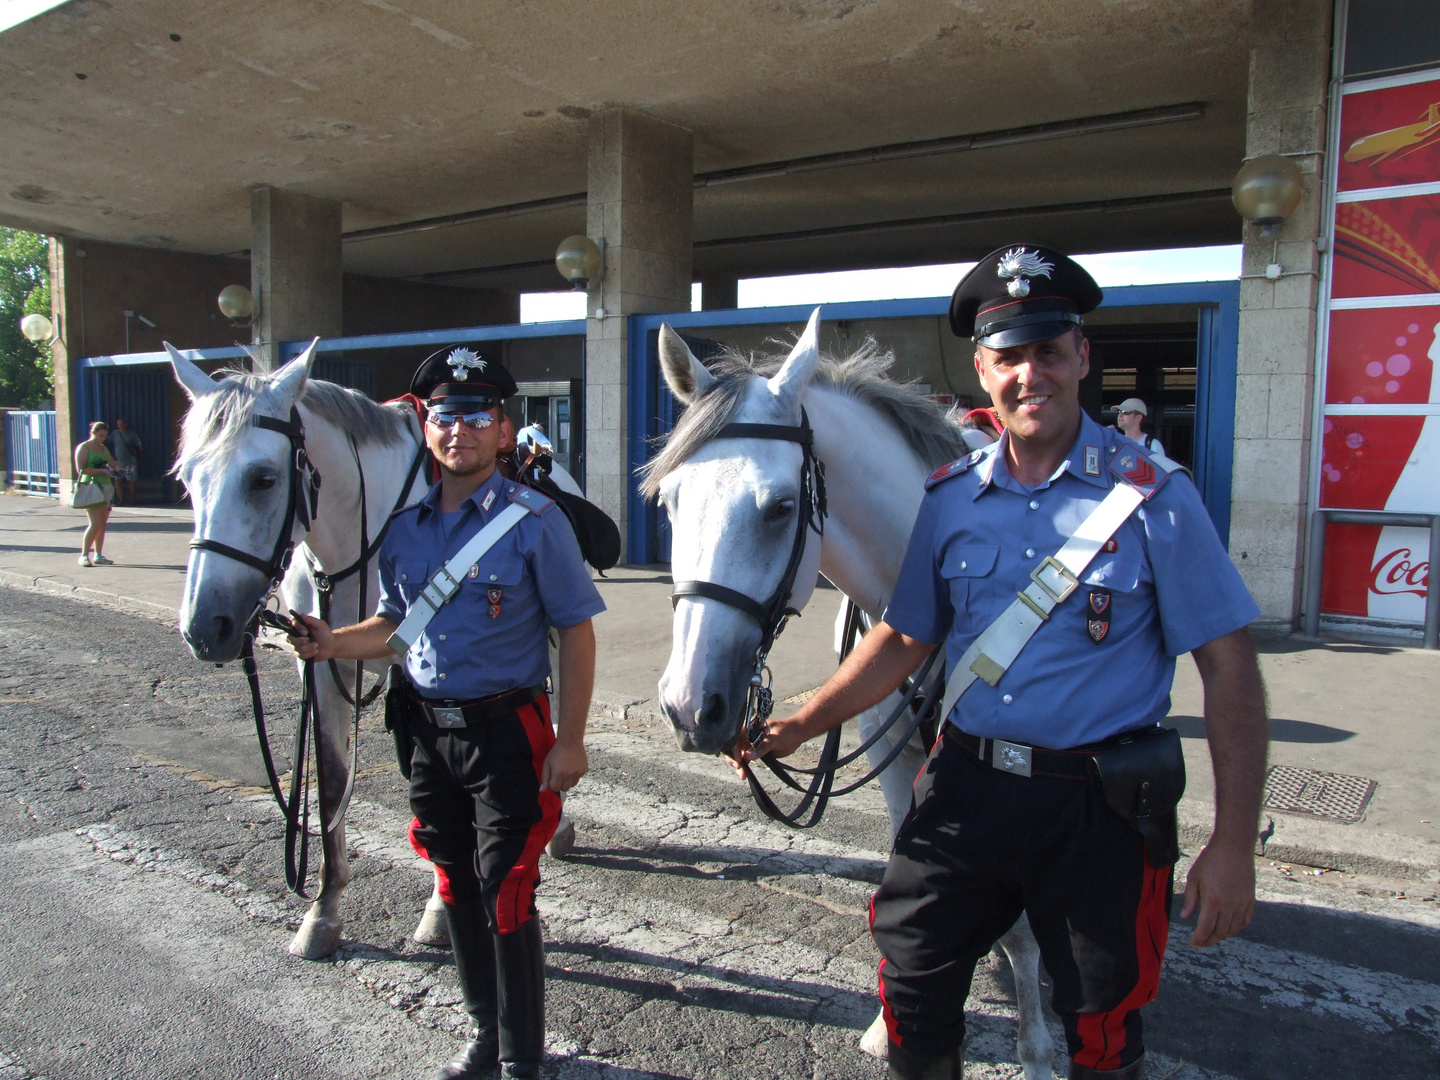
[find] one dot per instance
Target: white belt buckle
(452, 717)
(1011, 757)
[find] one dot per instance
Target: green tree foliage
(27, 370)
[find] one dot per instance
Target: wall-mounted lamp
(581, 261)
(237, 304)
(1267, 190)
(38, 329)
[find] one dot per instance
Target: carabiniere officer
(1013, 811)
(486, 768)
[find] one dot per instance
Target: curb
(1329, 845)
(50, 587)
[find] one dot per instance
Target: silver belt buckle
(448, 718)
(1011, 757)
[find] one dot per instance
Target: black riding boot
(522, 1000)
(1134, 1071)
(474, 947)
(905, 1065)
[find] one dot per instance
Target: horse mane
(216, 421)
(862, 375)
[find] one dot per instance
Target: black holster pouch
(1142, 776)
(397, 717)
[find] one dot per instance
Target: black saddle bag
(397, 717)
(1142, 776)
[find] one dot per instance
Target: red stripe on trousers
(517, 891)
(440, 874)
(890, 1027)
(1103, 1034)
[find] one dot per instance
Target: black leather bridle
(918, 703)
(302, 504)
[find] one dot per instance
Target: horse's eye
(778, 511)
(262, 481)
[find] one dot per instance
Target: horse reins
(772, 616)
(302, 504)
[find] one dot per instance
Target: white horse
(733, 505)
(239, 477)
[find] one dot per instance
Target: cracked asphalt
(145, 915)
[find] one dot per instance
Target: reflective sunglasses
(444, 418)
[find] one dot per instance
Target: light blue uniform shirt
(535, 570)
(978, 535)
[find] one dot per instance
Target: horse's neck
(874, 483)
(335, 535)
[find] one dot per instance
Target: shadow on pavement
(1286, 731)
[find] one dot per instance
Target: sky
(14, 12)
(1109, 269)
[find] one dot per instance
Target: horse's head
(735, 505)
(239, 477)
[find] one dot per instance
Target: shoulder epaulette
(1142, 470)
(954, 468)
(531, 499)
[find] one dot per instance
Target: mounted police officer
(1053, 787)
(486, 769)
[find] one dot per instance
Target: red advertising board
(1380, 433)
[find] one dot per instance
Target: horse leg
(563, 841)
(896, 782)
(319, 933)
(434, 928)
(1034, 1045)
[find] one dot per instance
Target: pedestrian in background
(1130, 419)
(94, 469)
(126, 446)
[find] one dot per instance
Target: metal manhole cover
(1320, 794)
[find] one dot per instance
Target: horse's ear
(192, 380)
(788, 383)
(290, 379)
(686, 376)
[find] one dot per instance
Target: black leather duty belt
(1021, 760)
(452, 713)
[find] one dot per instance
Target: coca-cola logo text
(1395, 573)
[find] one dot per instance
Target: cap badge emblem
(1019, 266)
(463, 361)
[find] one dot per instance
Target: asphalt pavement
(1360, 709)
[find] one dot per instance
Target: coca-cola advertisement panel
(1387, 247)
(1383, 356)
(1390, 136)
(1376, 572)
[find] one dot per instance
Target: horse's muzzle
(216, 639)
(711, 731)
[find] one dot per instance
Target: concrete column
(641, 176)
(719, 292)
(294, 269)
(1289, 80)
(68, 316)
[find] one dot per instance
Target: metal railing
(32, 452)
(1315, 571)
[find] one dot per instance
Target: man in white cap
(1130, 414)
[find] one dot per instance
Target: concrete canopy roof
(148, 122)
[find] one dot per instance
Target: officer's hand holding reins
(315, 642)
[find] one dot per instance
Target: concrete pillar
(67, 313)
(294, 269)
(719, 292)
(641, 176)
(1289, 80)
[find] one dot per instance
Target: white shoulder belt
(445, 582)
(1051, 582)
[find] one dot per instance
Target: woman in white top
(1129, 415)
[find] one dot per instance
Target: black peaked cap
(1022, 293)
(458, 372)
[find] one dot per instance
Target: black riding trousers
(979, 847)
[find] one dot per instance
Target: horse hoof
(563, 842)
(876, 1040)
(316, 938)
(434, 928)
